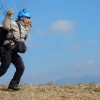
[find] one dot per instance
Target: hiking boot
(15, 88)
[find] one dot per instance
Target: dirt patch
(52, 92)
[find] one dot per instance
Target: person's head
(24, 16)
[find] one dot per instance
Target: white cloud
(39, 32)
(35, 74)
(92, 41)
(47, 57)
(89, 62)
(29, 41)
(62, 26)
(68, 36)
(73, 47)
(86, 64)
(78, 65)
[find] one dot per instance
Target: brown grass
(52, 92)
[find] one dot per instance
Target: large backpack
(3, 35)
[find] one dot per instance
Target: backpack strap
(19, 31)
(19, 28)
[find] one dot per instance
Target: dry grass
(52, 92)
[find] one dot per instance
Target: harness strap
(19, 28)
(13, 39)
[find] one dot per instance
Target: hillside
(52, 92)
(83, 79)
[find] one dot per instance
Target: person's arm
(7, 20)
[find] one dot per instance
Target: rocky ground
(52, 92)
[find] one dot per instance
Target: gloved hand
(10, 12)
(30, 24)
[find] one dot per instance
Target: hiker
(14, 43)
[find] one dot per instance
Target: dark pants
(7, 59)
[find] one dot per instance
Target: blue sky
(64, 39)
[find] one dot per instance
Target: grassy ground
(52, 92)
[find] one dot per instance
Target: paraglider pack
(3, 34)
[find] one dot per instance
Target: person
(17, 32)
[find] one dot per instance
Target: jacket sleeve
(6, 23)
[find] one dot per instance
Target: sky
(64, 40)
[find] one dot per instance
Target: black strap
(19, 28)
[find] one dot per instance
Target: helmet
(24, 14)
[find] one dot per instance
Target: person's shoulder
(14, 25)
(13, 22)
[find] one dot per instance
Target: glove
(30, 24)
(10, 12)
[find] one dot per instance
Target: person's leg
(19, 65)
(5, 63)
